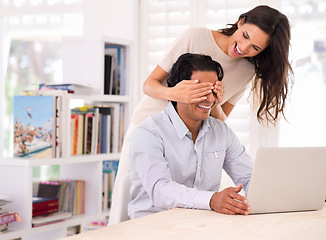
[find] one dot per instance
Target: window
(306, 112)
(31, 40)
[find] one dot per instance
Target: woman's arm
(187, 91)
(222, 111)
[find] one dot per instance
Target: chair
(121, 189)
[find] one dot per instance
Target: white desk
(202, 225)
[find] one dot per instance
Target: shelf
(101, 98)
(108, 40)
(13, 233)
(17, 173)
(33, 162)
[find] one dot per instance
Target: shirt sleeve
(152, 169)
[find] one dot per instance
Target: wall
(118, 19)
(111, 18)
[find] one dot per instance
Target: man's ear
(240, 22)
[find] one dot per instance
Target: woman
(255, 48)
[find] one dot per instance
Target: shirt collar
(180, 126)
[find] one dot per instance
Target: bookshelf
(83, 63)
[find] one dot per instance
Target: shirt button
(216, 154)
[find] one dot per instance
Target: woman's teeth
(238, 50)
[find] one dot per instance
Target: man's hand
(230, 202)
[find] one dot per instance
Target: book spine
(8, 218)
(43, 212)
(39, 206)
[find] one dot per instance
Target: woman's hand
(219, 111)
(190, 91)
(219, 91)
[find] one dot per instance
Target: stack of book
(6, 217)
(39, 120)
(69, 87)
(43, 206)
(97, 129)
(62, 196)
(58, 200)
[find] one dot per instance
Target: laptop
(288, 179)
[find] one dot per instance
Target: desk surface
(191, 224)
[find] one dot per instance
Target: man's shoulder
(154, 121)
(216, 124)
(214, 120)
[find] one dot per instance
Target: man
(177, 156)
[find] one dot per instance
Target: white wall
(118, 19)
(114, 18)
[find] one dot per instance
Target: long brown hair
(272, 67)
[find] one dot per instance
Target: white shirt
(168, 170)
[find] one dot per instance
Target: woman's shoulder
(196, 30)
(195, 34)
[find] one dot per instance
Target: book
(44, 205)
(34, 126)
(3, 227)
(113, 52)
(108, 74)
(118, 54)
(61, 96)
(115, 127)
(40, 203)
(44, 212)
(80, 134)
(105, 130)
(96, 131)
(58, 127)
(3, 210)
(78, 144)
(121, 125)
(69, 87)
(48, 190)
(6, 218)
(105, 190)
(88, 130)
(72, 196)
(110, 169)
(74, 133)
(87, 120)
(4, 199)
